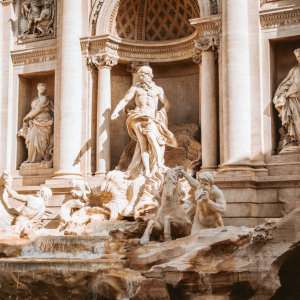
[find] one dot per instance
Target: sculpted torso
(147, 102)
(42, 104)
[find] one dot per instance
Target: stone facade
(223, 66)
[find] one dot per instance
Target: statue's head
(42, 88)
(297, 54)
(206, 179)
(45, 193)
(145, 74)
(5, 178)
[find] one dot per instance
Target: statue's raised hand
(114, 115)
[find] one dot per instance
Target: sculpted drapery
(37, 128)
(147, 125)
(287, 103)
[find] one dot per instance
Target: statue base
(32, 169)
(290, 149)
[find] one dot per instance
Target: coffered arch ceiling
(148, 20)
(155, 20)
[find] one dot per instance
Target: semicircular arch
(109, 10)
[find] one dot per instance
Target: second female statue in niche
(37, 128)
(287, 103)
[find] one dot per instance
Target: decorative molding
(94, 14)
(197, 56)
(132, 51)
(33, 56)
(208, 26)
(280, 17)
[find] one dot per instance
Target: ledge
(139, 51)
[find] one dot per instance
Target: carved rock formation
(221, 263)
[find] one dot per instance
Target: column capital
(6, 2)
(197, 56)
(101, 61)
(207, 43)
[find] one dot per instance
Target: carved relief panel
(37, 20)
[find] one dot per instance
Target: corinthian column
(69, 82)
(241, 107)
(5, 37)
(207, 47)
(104, 64)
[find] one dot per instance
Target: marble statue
(287, 103)
(171, 213)
(37, 128)
(77, 213)
(210, 201)
(25, 217)
(6, 217)
(146, 125)
(187, 154)
(28, 217)
(38, 16)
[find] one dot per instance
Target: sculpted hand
(114, 115)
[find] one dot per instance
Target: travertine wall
(181, 85)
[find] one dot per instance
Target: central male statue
(147, 125)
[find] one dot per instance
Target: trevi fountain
(150, 149)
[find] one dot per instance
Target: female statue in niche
(287, 103)
(37, 128)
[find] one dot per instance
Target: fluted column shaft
(5, 34)
(241, 90)
(68, 119)
(104, 64)
(209, 98)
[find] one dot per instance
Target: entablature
(139, 51)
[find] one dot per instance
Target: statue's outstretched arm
(122, 104)
(16, 195)
(191, 180)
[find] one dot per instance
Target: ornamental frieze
(32, 56)
(282, 17)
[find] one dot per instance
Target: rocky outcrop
(223, 263)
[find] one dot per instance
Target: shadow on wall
(289, 275)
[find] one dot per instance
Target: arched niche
(105, 12)
(157, 32)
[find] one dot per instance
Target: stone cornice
(208, 26)
(6, 2)
(280, 17)
(132, 51)
(32, 56)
